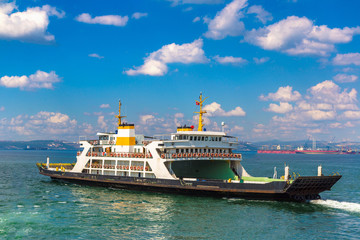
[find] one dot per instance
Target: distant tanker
(305, 152)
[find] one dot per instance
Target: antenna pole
(201, 112)
(119, 117)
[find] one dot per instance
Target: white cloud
(335, 125)
(325, 106)
(310, 47)
(283, 94)
(139, 15)
(227, 21)
(29, 25)
(196, 19)
(114, 20)
(179, 115)
(39, 79)
(313, 131)
(349, 124)
(347, 69)
(299, 36)
(329, 92)
(105, 105)
(261, 14)
(229, 59)
(333, 35)
(345, 78)
(236, 129)
(95, 55)
(188, 9)
(47, 123)
(261, 60)
(101, 122)
(347, 59)
(178, 2)
(321, 115)
(178, 119)
(214, 109)
(283, 107)
(280, 34)
(351, 115)
(156, 63)
(144, 119)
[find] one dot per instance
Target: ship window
(187, 150)
(196, 150)
(190, 138)
(206, 138)
(195, 138)
(180, 137)
(191, 150)
(177, 150)
(202, 138)
(182, 150)
(219, 138)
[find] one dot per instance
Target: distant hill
(306, 144)
(38, 145)
(245, 146)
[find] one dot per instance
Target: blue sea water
(33, 206)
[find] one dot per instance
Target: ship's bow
(308, 188)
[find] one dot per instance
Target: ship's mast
(201, 112)
(119, 117)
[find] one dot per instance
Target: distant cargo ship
(305, 152)
(317, 152)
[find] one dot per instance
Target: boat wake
(346, 206)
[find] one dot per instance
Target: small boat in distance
(185, 162)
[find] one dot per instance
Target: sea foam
(346, 206)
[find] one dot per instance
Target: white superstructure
(184, 154)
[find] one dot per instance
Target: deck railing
(202, 155)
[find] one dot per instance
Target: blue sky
(272, 69)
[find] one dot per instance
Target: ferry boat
(186, 162)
